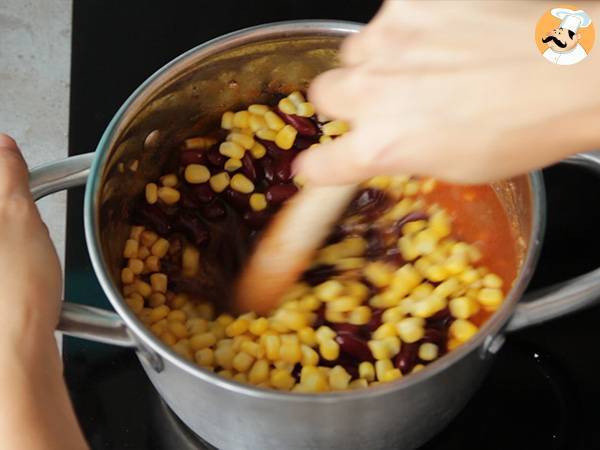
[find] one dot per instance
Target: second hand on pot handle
(288, 244)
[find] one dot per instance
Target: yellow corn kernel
(360, 316)
(456, 264)
(227, 120)
(287, 106)
(219, 182)
(391, 375)
(462, 330)
(142, 288)
(490, 297)
(199, 142)
(335, 128)
(281, 379)
(315, 382)
(284, 365)
(131, 248)
(259, 326)
(393, 315)
(349, 247)
(232, 164)
(240, 378)
(324, 333)
(277, 326)
(350, 263)
(196, 173)
(272, 344)
(436, 273)
(407, 248)
(178, 329)
(258, 150)
(135, 303)
(358, 384)
(197, 325)
(127, 275)
(384, 330)
(428, 306)
(243, 140)
(296, 98)
(387, 299)
(237, 327)
(285, 137)
(309, 356)
(190, 261)
(305, 109)
(469, 276)
(425, 241)
(158, 281)
(158, 313)
(329, 290)
(206, 310)
(183, 349)
(492, 280)
(324, 139)
(231, 150)
(177, 301)
(414, 227)
(343, 304)
(252, 348)
(258, 109)
(428, 351)
(148, 238)
(159, 327)
(224, 356)
(259, 372)
(379, 350)
(225, 319)
(256, 122)
(160, 247)
(439, 224)
(241, 184)
(240, 119)
(168, 195)
(339, 378)
(202, 340)
(242, 362)
(274, 122)
(143, 252)
(266, 134)
(366, 371)
(307, 336)
(447, 288)
(381, 367)
(379, 274)
(463, 307)
(228, 374)
(290, 351)
(329, 350)
(411, 329)
(168, 338)
(156, 299)
(136, 232)
(294, 320)
(169, 180)
(204, 357)
(335, 316)
(151, 193)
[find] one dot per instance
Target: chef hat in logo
(572, 20)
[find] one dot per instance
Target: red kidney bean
(396, 227)
(279, 193)
(441, 319)
(303, 142)
(188, 199)
(303, 125)
(407, 358)
(191, 225)
(248, 167)
(354, 346)
(283, 169)
(320, 319)
(153, 217)
(215, 158)
(174, 245)
(272, 150)
(203, 192)
(237, 199)
(169, 267)
(375, 321)
(369, 202)
(394, 256)
(213, 210)
(257, 219)
(268, 169)
(193, 156)
(375, 245)
(319, 274)
(347, 328)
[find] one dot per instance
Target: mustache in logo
(556, 41)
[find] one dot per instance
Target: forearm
(35, 412)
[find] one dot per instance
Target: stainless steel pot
(189, 94)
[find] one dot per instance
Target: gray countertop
(35, 49)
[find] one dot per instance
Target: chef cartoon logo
(565, 35)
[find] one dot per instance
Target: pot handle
(78, 320)
(567, 297)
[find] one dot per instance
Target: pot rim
(143, 335)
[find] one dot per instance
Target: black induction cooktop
(542, 391)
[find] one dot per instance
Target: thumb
(14, 176)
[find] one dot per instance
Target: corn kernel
(324, 139)
(237, 327)
(343, 304)
(469, 276)
(428, 351)
(335, 128)
(439, 224)
(131, 248)
(462, 330)
(256, 123)
(178, 329)
(241, 184)
(329, 350)
(143, 252)
(274, 122)
(391, 375)
(259, 326)
(197, 325)
(177, 301)
(242, 362)
(379, 274)
(224, 356)
(258, 150)
(259, 372)
(151, 193)
(281, 379)
(158, 313)
(160, 247)
(287, 106)
(231, 150)
(202, 340)
(290, 352)
(201, 143)
(142, 288)
(190, 261)
(219, 182)
(196, 174)
(227, 120)
(240, 119)
(266, 134)
(206, 311)
(463, 307)
(158, 281)
(169, 195)
(456, 264)
(307, 336)
(360, 316)
(329, 290)
(358, 384)
(490, 297)
(492, 281)
(232, 164)
(285, 137)
(243, 140)
(258, 109)
(411, 329)
(136, 232)
(324, 333)
(384, 330)
(168, 338)
(135, 303)
(428, 306)
(338, 378)
(296, 97)
(305, 109)
(272, 345)
(366, 371)
(315, 382)
(381, 367)
(127, 275)
(309, 356)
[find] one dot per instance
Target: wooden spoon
(287, 246)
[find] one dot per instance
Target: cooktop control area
(542, 391)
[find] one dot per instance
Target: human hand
(453, 90)
(30, 273)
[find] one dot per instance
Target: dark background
(542, 392)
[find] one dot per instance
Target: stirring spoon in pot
(285, 250)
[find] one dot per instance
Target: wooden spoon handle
(287, 246)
